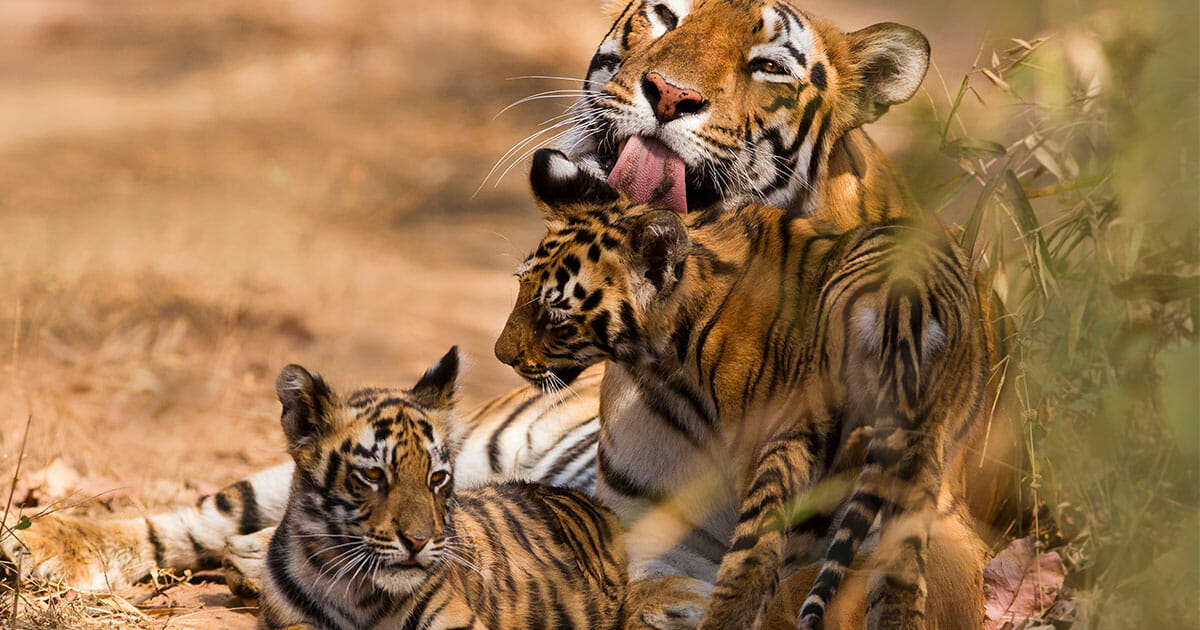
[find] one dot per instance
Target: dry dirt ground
(193, 194)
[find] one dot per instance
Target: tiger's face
(692, 102)
(373, 474)
(586, 288)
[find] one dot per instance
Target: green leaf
(1158, 287)
(24, 523)
(971, 231)
(962, 89)
(972, 148)
(1031, 232)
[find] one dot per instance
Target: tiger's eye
(667, 16)
(373, 473)
(770, 66)
(437, 478)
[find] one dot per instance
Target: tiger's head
(373, 474)
(585, 291)
(692, 102)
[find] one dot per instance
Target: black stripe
(814, 163)
(222, 502)
(619, 481)
(159, 551)
(290, 589)
(250, 521)
(817, 75)
(416, 614)
(198, 549)
(494, 440)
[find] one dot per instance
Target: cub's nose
(669, 101)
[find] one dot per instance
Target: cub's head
(739, 99)
(373, 474)
(585, 291)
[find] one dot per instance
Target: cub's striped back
(375, 535)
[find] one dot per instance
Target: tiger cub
(374, 534)
(744, 349)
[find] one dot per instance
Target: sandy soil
(193, 194)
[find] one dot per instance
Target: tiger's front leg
(749, 573)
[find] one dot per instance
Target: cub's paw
(666, 603)
(84, 553)
(245, 562)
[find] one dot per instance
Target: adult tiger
(745, 351)
(702, 105)
(801, 147)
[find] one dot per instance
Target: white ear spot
(865, 323)
(292, 381)
(933, 339)
(562, 169)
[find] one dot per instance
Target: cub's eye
(437, 478)
(666, 16)
(769, 66)
(373, 474)
(562, 331)
(556, 316)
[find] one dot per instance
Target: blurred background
(195, 193)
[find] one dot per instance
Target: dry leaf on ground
(1021, 583)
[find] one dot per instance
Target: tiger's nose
(414, 544)
(670, 101)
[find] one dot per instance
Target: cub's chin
(400, 579)
(554, 377)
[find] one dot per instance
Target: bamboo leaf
(995, 78)
(962, 91)
(1158, 287)
(973, 148)
(1031, 232)
(971, 231)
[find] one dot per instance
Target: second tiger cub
(375, 535)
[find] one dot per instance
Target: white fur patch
(562, 169)
(865, 322)
(658, 27)
(525, 265)
(933, 339)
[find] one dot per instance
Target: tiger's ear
(559, 183)
(436, 388)
(890, 60)
(308, 404)
(660, 246)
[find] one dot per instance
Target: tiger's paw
(666, 603)
(245, 562)
(85, 553)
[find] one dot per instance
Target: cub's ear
(435, 390)
(660, 244)
(558, 182)
(890, 60)
(307, 405)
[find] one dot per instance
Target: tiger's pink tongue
(648, 172)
